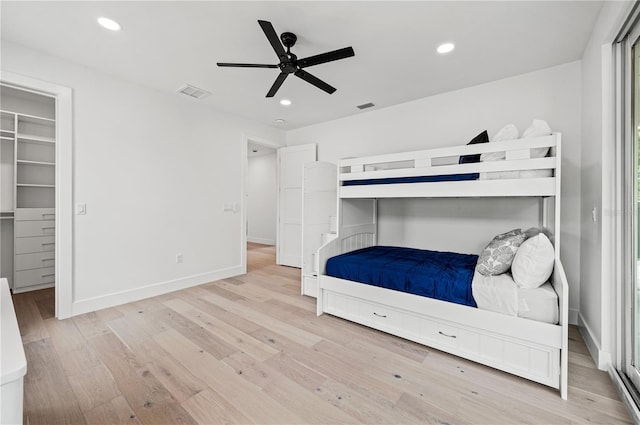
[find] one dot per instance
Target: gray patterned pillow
(497, 257)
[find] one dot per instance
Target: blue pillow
(480, 138)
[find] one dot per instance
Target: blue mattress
(417, 179)
(445, 276)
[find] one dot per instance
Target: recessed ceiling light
(109, 24)
(280, 121)
(285, 102)
(445, 48)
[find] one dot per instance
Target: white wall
(597, 319)
(453, 118)
(262, 205)
(154, 169)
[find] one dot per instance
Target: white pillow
(539, 128)
(508, 132)
(533, 263)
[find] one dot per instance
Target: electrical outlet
(594, 214)
(179, 258)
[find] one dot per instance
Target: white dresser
(34, 249)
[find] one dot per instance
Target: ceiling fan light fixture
(109, 24)
(285, 102)
(445, 48)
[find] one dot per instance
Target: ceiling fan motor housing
(289, 63)
(288, 39)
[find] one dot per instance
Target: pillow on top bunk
(508, 132)
(532, 231)
(533, 263)
(539, 128)
(480, 138)
(497, 257)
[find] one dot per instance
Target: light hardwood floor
(250, 349)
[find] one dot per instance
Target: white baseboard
(600, 357)
(262, 241)
(123, 297)
(573, 316)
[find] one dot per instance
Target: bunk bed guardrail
(372, 169)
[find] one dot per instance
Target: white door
(291, 161)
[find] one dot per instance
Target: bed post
(564, 319)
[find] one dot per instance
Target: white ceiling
(169, 43)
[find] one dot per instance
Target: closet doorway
(35, 189)
(260, 199)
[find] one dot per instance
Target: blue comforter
(417, 179)
(444, 276)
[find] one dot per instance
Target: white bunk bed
(523, 347)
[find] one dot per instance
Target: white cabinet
(320, 204)
(27, 189)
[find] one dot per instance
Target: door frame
(245, 192)
(64, 184)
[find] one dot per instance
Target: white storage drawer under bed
(525, 358)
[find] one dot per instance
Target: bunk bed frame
(530, 349)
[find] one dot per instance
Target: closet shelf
(25, 162)
(34, 139)
(29, 117)
(8, 139)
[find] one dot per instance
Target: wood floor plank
(227, 333)
(307, 404)
(74, 353)
(208, 407)
(91, 325)
(296, 371)
(148, 398)
(46, 308)
(47, 387)
(171, 374)
(32, 327)
(93, 387)
(293, 332)
(243, 395)
(115, 411)
(196, 333)
(425, 412)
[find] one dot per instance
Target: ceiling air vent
(366, 105)
(193, 91)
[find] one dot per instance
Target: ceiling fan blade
(335, 55)
(276, 85)
(247, 65)
(273, 38)
(314, 80)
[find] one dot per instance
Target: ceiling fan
(289, 63)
